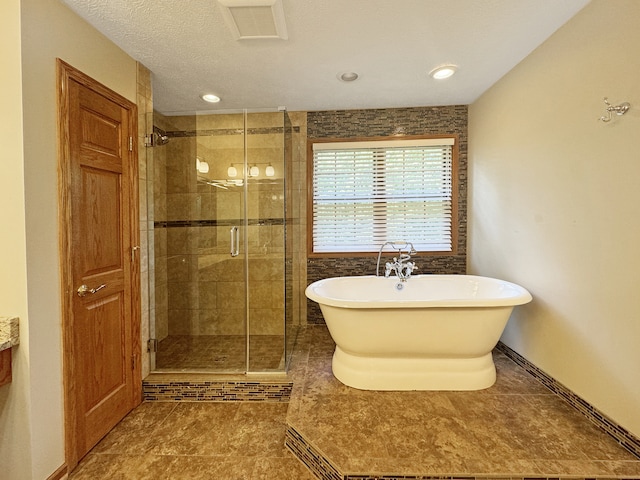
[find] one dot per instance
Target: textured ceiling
(391, 44)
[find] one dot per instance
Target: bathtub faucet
(401, 265)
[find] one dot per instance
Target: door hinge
(131, 144)
(152, 345)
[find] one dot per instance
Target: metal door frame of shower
(245, 240)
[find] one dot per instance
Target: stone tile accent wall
(386, 122)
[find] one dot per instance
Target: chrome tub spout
(401, 265)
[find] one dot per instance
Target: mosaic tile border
(312, 459)
(227, 131)
(467, 477)
(444, 477)
(215, 391)
(218, 223)
(625, 438)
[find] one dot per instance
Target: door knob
(83, 289)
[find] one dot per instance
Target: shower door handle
(235, 241)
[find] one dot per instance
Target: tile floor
(516, 428)
(196, 440)
(220, 353)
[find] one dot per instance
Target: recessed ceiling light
(443, 71)
(211, 98)
(348, 76)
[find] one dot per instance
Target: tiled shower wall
(296, 212)
(198, 284)
(381, 123)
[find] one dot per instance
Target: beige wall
(31, 408)
(15, 438)
(555, 204)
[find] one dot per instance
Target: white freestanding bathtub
(432, 332)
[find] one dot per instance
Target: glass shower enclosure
(220, 265)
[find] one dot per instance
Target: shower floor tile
(220, 353)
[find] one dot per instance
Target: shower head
(160, 139)
(157, 138)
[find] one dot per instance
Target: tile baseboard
(626, 439)
(215, 391)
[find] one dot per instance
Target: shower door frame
(243, 225)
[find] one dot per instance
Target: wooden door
(100, 264)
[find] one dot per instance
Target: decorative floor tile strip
(402, 477)
(314, 461)
(622, 436)
(489, 477)
(211, 391)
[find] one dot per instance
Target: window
(364, 193)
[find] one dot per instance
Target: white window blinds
(367, 193)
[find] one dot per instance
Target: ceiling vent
(255, 19)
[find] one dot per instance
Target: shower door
(219, 258)
(222, 256)
(265, 201)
